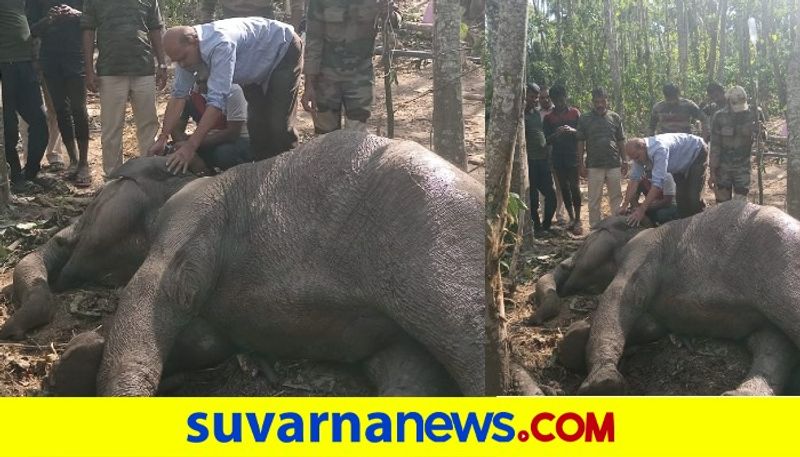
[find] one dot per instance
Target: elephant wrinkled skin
(351, 248)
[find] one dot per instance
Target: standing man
(601, 136)
(716, 97)
(538, 165)
(128, 36)
(675, 114)
(732, 132)
(560, 127)
(261, 55)
(340, 40)
(545, 108)
(680, 154)
(21, 92)
(236, 8)
(57, 22)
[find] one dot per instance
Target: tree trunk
(667, 33)
(793, 122)
(506, 33)
(772, 53)
(722, 34)
(613, 58)
(297, 9)
(521, 185)
(744, 42)
(713, 28)
(5, 191)
(683, 41)
(647, 52)
(448, 118)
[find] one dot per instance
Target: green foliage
(567, 45)
(179, 12)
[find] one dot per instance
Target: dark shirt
(15, 36)
(535, 142)
(601, 134)
(123, 40)
(675, 117)
(565, 146)
(61, 39)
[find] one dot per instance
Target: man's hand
(565, 129)
(179, 162)
(92, 81)
(161, 78)
(636, 217)
(308, 100)
(157, 149)
(623, 209)
(65, 11)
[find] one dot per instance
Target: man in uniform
(716, 96)
(732, 132)
(21, 93)
(602, 137)
(340, 39)
(236, 8)
(675, 114)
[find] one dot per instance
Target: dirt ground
(39, 214)
(675, 365)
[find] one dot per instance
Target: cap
(737, 98)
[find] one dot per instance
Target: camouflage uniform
(236, 8)
(731, 146)
(340, 40)
(668, 117)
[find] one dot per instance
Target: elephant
(351, 248)
(732, 271)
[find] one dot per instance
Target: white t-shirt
(236, 107)
(669, 185)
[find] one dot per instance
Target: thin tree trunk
(613, 57)
(683, 41)
(507, 27)
(793, 122)
(772, 53)
(713, 29)
(297, 9)
(667, 34)
(448, 118)
(744, 42)
(647, 51)
(5, 191)
(722, 34)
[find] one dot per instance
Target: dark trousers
(271, 114)
(69, 100)
(541, 181)
(226, 155)
(570, 190)
(22, 94)
(689, 186)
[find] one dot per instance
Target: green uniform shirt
(15, 36)
(535, 142)
(601, 134)
(340, 34)
(669, 117)
(122, 28)
(236, 8)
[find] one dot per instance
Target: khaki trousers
(114, 94)
(598, 177)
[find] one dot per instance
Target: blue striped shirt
(668, 153)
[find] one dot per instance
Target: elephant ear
(143, 168)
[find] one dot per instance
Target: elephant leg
(197, 347)
(30, 288)
(774, 356)
(406, 369)
(571, 349)
(621, 305)
(163, 296)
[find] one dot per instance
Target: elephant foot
(753, 387)
(36, 310)
(524, 385)
(548, 304)
(571, 350)
(75, 374)
(406, 369)
(606, 380)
